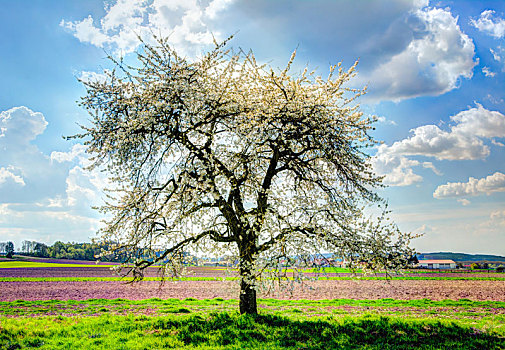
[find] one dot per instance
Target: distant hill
(461, 257)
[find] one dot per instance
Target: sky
(435, 72)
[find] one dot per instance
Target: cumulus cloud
(397, 170)
(42, 193)
(407, 48)
(186, 23)
(20, 124)
(77, 152)
(474, 187)
(432, 63)
(490, 24)
(464, 140)
(6, 175)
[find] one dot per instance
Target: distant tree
(475, 266)
(2, 247)
(58, 249)
(9, 249)
(24, 246)
(413, 260)
(41, 250)
(224, 153)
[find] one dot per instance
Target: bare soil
(360, 289)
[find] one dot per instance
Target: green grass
(101, 279)
(228, 330)
(31, 264)
(199, 278)
(484, 314)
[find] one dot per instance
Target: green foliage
(69, 250)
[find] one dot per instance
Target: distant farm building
(437, 264)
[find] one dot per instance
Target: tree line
(61, 250)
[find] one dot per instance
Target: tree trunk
(247, 303)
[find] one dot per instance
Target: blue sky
(435, 73)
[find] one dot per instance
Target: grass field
(203, 278)
(215, 324)
(31, 264)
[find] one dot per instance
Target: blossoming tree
(222, 152)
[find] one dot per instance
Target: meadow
(86, 307)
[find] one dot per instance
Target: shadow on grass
(232, 331)
(366, 332)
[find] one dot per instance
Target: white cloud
(88, 76)
(487, 72)
(497, 143)
(84, 188)
(20, 124)
(429, 165)
(497, 218)
(41, 193)
(497, 214)
(431, 141)
(383, 120)
(479, 122)
(86, 32)
(185, 23)
(464, 201)
(463, 141)
(216, 6)
(77, 152)
(474, 187)
(489, 24)
(408, 49)
(6, 175)
(438, 55)
(497, 53)
(397, 170)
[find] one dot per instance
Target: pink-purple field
(405, 290)
(322, 289)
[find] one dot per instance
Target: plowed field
(479, 290)
(405, 290)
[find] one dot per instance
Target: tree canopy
(222, 152)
